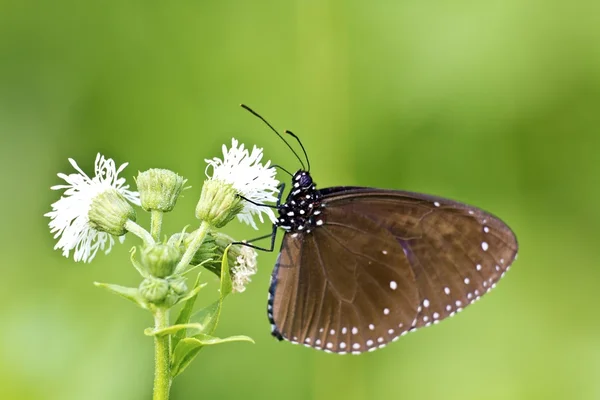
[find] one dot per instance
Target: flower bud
(159, 189)
(219, 203)
(241, 260)
(170, 299)
(160, 259)
(178, 285)
(154, 290)
(109, 212)
(207, 250)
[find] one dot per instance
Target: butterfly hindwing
(346, 286)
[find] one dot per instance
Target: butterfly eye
(305, 180)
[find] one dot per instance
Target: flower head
(70, 214)
(240, 173)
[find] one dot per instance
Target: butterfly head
(302, 180)
(302, 208)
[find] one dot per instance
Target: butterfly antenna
(283, 169)
(274, 130)
(301, 146)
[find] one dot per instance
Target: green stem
(193, 247)
(162, 357)
(156, 223)
(139, 232)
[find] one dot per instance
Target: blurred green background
(493, 103)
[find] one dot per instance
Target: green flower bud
(109, 212)
(219, 203)
(154, 290)
(171, 298)
(160, 259)
(159, 189)
(207, 250)
(178, 285)
(241, 259)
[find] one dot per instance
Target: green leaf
(142, 271)
(208, 340)
(131, 294)
(188, 349)
(191, 294)
(209, 316)
(226, 285)
(172, 329)
(186, 312)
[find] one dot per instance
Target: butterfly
(360, 267)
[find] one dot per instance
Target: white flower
(243, 269)
(69, 215)
(244, 172)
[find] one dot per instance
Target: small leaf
(208, 340)
(209, 316)
(193, 267)
(131, 294)
(192, 293)
(226, 285)
(186, 312)
(142, 271)
(188, 349)
(172, 329)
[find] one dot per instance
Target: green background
(494, 103)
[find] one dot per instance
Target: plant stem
(162, 357)
(139, 232)
(156, 223)
(193, 247)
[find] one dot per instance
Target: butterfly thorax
(301, 211)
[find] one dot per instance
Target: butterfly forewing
(349, 287)
(457, 252)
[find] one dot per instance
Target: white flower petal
(245, 266)
(69, 220)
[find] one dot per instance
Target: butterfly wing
(335, 289)
(457, 252)
(382, 263)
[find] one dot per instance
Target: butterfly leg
(280, 187)
(272, 235)
(258, 204)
